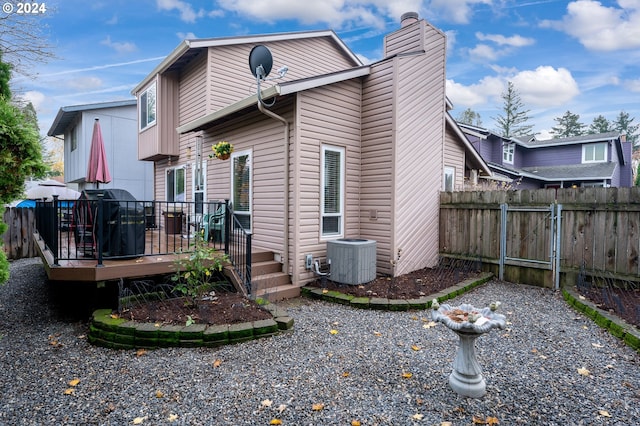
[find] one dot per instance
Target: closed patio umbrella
(97, 169)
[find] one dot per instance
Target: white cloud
(187, 13)
(84, 83)
(599, 27)
(186, 36)
(113, 20)
(451, 39)
(633, 85)
(36, 98)
(546, 86)
(514, 41)
(543, 87)
(458, 11)
(120, 47)
(482, 52)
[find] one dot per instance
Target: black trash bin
(122, 224)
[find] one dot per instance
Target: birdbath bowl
(468, 323)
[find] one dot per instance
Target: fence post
(558, 242)
(98, 223)
(503, 238)
(55, 241)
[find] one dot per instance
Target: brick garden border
(119, 333)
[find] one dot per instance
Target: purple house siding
(552, 156)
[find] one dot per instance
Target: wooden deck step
(267, 267)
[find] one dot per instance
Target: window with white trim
(449, 179)
(241, 187)
(594, 152)
(332, 191)
(147, 104)
(508, 151)
(176, 184)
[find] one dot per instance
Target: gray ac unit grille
(353, 261)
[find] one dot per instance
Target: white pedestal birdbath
(468, 323)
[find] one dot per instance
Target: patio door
(241, 187)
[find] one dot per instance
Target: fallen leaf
(275, 422)
(172, 417)
(346, 374)
(581, 297)
(355, 423)
(584, 327)
(543, 357)
(139, 420)
(217, 363)
(534, 350)
(69, 391)
(114, 316)
(281, 408)
(583, 371)
(446, 424)
(597, 345)
(141, 352)
(266, 403)
(479, 420)
(139, 260)
(317, 407)
(74, 382)
(333, 331)
(430, 324)
(407, 375)
(415, 318)
(325, 291)
(417, 416)
(159, 394)
(604, 413)
(608, 366)
(377, 333)
(492, 421)
(415, 347)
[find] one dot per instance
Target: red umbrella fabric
(98, 169)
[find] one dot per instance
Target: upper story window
(74, 138)
(594, 152)
(508, 150)
(148, 107)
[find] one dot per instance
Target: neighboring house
(591, 160)
(118, 124)
(346, 150)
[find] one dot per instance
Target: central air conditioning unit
(353, 261)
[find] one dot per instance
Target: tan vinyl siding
(161, 139)
(420, 127)
(454, 156)
(329, 116)
(407, 39)
(232, 80)
(377, 162)
(193, 81)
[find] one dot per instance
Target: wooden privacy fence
(18, 239)
(598, 230)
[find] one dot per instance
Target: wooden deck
(156, 261)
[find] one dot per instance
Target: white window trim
(452, 171)
(150, 123)
(340, 214)
(593, 145)
(250, 212)
(508, 152)
(194, 189)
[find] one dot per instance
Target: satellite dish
(260, 62)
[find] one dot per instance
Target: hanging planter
(222, 150)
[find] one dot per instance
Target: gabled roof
(591, 171)
(475, 159)
(187, 49)
(280, 89)
(599, 137)
(67, 114)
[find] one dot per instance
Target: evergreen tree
(20, 154)
(515, 118)
(600, 125)
(470, 117)
(568, 125)
(622, 124)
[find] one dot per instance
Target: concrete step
(281, 292)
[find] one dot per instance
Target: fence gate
(530, 236)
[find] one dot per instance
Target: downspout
(275, 116)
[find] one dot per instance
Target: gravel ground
(531, 368)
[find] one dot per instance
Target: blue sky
(582, 56)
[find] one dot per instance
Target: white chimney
(408, 18)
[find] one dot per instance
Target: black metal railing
(108, 228)
(238, 244)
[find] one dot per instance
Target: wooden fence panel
(18, 241)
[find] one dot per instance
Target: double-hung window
(449, 178)
(594, 152)
(508, 150)
(332, 191)
(176, 184)
(148, 107)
